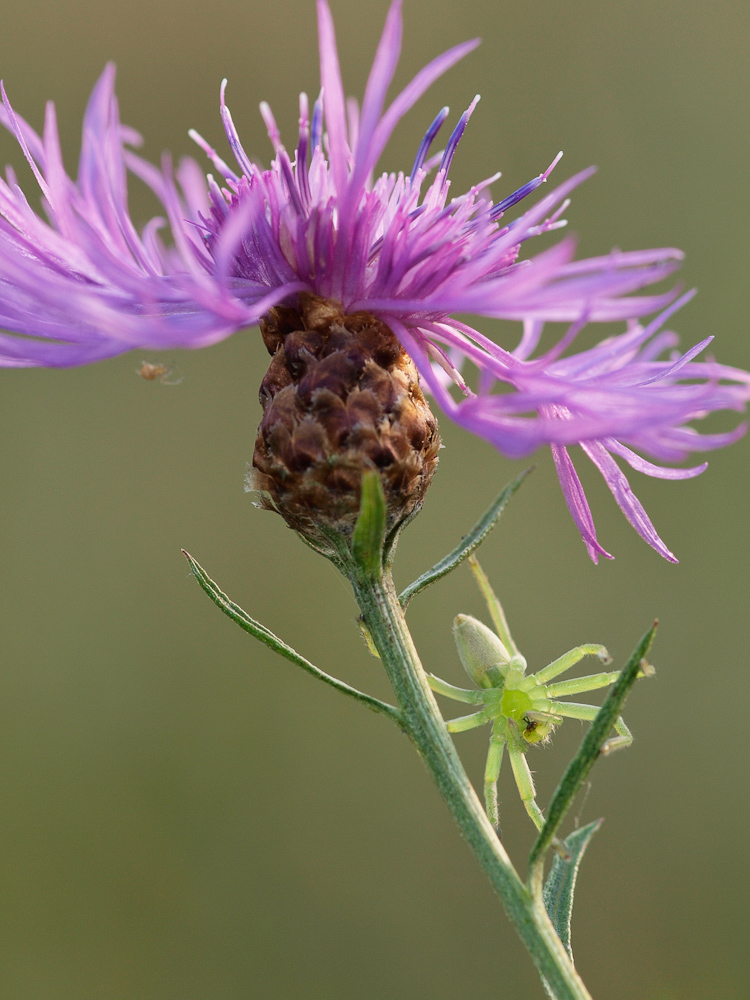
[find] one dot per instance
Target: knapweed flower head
(82, 283)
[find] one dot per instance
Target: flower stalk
(423, 723)
(540, 913)
(421, 720)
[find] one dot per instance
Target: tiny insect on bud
(484, 657)
(646, 669)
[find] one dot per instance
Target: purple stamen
(226, 172)
(302, 146)
(429, 137)
(316, 128)
(234, 140)
(524, 190)
(456, 137)
(271, 127)
(291, 185)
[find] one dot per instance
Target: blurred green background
(183, 817)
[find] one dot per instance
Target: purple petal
(21, 138)
(627, 501)
(658, 471)
(409, 97)
(577, 503)
(333, 96)
(381, 75)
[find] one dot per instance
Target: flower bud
(484, 657)
(341, 397)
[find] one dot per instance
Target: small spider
(153, 372)
(523, 709)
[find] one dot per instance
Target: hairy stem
(421, 719)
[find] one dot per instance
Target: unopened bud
(341, 397)
(484, 657)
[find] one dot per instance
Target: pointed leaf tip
(277, 645)
(468, 544)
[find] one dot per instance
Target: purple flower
(83, 284)
(609, 399)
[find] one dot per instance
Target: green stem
(422, 721)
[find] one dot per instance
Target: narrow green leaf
(243, 619)
(369, 531)
(579, 768)
(468, 544)
(561, 881)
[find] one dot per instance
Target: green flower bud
(483, 655)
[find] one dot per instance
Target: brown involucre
(340, 396)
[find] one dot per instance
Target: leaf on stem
(561, 881)
(579, 768)
(468, 544)
(243, 619)
(369, 531)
